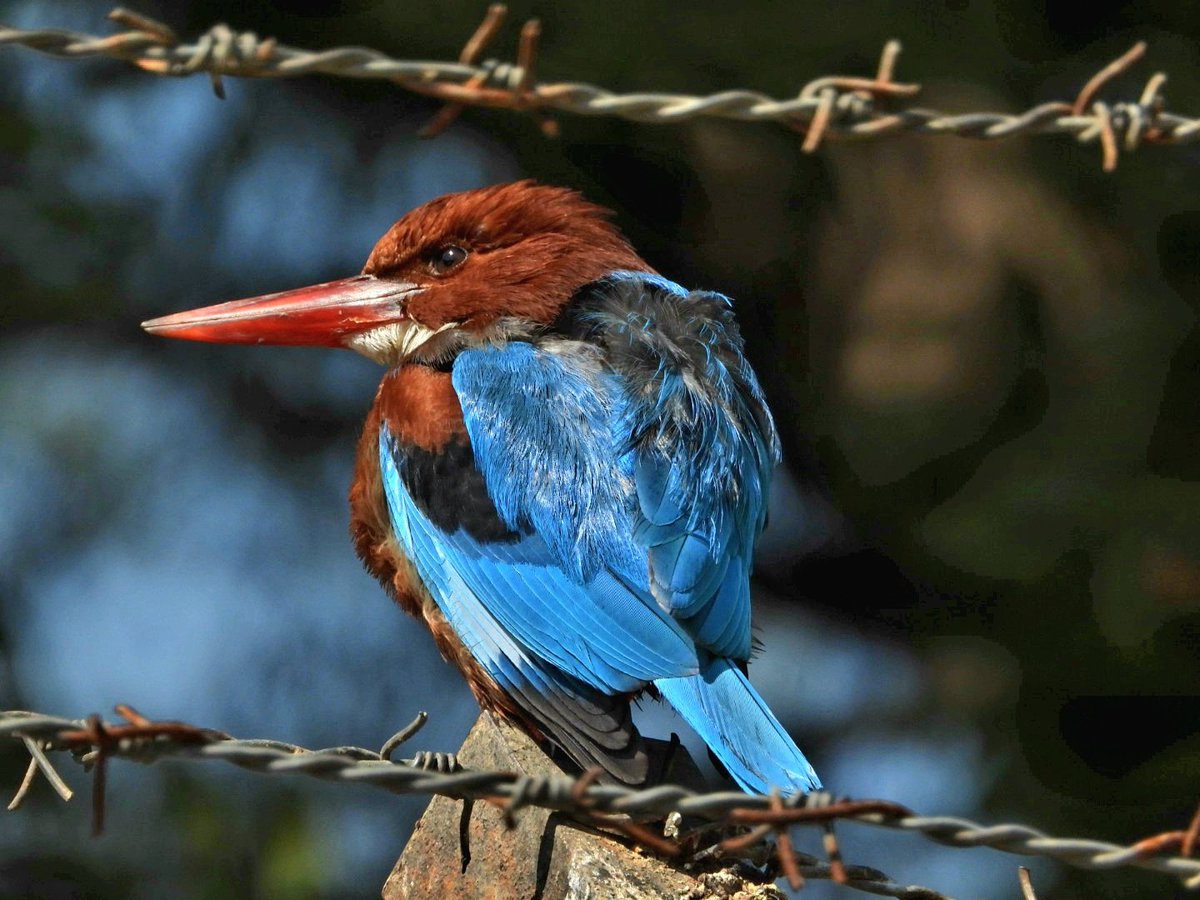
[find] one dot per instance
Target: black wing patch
(450, 490)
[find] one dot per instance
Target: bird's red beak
(324, 315)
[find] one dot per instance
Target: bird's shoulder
(679, 360)
(678, 355)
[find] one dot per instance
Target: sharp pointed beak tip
(160, 326)
(320, 315)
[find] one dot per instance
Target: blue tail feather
(736, 724)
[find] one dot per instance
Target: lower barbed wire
(91, 742)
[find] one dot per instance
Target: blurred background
(980, 591)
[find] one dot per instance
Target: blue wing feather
(692, 415)
(539, 425)
(728, 713)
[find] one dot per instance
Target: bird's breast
(420, 408)
(420, 411)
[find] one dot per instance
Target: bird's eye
(446, 258)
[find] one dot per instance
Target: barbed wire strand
(827, 107)
(93, 743)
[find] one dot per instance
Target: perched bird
(564, 472)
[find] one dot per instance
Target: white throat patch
(393, 343)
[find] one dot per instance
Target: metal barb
(99, 737)
(820, 121)
(1191, 836)
(1026, 883)
(131, 715)
(579, 791)
(755, 835)
(527, 57)
(834, 851)
(1167, 841)
(492, 22)
(887, 61)
(1118, 66)
(1108, 137)
(471, 51)
(31, 771)
(1144, 114)
(783, 848)
(39, 762)
(404, 734)
(135, 21)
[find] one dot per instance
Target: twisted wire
(145, 741)
(829, 106)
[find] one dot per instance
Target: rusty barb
(698, 826)
(827, 107)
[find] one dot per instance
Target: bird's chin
(405, 341)
(409, 341)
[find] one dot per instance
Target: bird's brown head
(462, 268)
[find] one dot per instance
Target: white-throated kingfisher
(564, 472)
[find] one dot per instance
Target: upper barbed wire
(829, 106)
(93, 742)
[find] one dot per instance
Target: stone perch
(464, 850)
